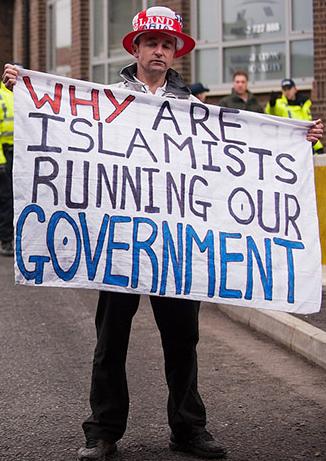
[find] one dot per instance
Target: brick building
(82, 39)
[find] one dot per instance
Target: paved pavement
(263, 402)
(304, 334)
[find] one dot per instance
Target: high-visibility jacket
(300, 109)
(6, 119)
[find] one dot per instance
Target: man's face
(289, 92)
(155, 52)
(240, 84)
(202, 96)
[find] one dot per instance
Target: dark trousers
(177, 320)
(6, 197)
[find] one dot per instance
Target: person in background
(241, 98)
(200, 91)
(291, 104)
(6, 159)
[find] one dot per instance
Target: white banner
(123, 191)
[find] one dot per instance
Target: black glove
(273, 97)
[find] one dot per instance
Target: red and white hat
(159, 19)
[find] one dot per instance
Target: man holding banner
(156, 40)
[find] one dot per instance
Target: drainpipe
(26, 37)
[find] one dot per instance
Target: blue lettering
(225, 259)
(145, 246)
(177, 261)
(290, 245)
(68, 274)
(109, 278)
(38, 260)
(92, 262)
(266, 277)
(206, 244)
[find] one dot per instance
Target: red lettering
(54, 103)
(94, 102)
(118, 107)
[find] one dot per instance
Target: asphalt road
(263, 402)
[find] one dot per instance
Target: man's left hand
(315, 133)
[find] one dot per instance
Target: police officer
(291, 104)
(6, 158)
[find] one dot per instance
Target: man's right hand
(9, 77)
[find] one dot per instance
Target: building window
(110, 21)
(270, 39)
(59, 37)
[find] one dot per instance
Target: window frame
(105, 59)
(290, 36)
(51, 25)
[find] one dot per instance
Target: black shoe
(6, 248)
(96, 450)
(202, 445)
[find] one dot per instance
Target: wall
(80, 39)
(319, 93)
(6, 33)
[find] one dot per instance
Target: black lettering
(200, 120)
(111, 187)
(239, 203)
(261, 154)
(203, 205)
(101, 149)
(210, 166)
(227, 151)
(293, 179)
(43, 147)
(81, 133)
(144, 145)
(291, 218)
(188, 142)
(45, 179)
(170, 184)
(69, 202)
(223, 124)
(135, 187)
(150, 208)
(276, 212)
(159, 117)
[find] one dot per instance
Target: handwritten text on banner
(123, 191)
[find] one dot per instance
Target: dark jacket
(235, 102)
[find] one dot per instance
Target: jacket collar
(175, 86)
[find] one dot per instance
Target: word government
(173, 252)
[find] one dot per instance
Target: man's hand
(9, 77)
(315, 133)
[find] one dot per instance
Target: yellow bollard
(320, 183)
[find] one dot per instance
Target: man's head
(288, 88)
(154, 53)
(158, 20)
(240, 82)
(199, 90)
